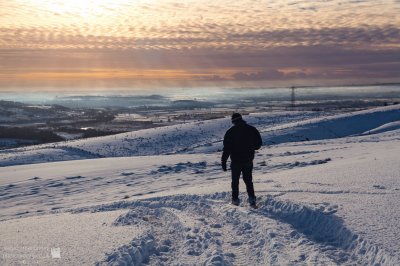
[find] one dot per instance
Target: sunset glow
(215, 43)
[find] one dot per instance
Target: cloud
(214, 78)
(261, 75)
(278, 63)
(215, 41)
(371, 37)
(197, 24)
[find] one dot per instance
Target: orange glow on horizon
(139, 74)
(198, 40)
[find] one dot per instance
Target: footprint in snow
(74, 177)
(127, 173)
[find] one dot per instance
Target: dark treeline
(29, 133)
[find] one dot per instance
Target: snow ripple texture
(205, 230)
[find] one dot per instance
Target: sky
(62, 44)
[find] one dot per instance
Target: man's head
(236, 117)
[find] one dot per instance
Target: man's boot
(252, 202)
(235, 202)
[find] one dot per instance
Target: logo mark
(56, 253)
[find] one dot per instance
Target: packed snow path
(205, 230)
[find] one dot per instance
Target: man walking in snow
(240, 143)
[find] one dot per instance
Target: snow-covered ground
(328, 190)
(206, 136)
(182, 138)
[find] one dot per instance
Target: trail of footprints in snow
(204, 230)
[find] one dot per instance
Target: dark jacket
(240, 142)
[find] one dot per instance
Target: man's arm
(257, 139)
(226, 151)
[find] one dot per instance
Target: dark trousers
(246, 168)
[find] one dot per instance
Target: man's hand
(224, 166)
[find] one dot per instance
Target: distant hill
(206, 136)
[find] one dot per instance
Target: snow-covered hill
(165, 140)
(322, 202)
(383, 128)
(206, 136)
(337, 126)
